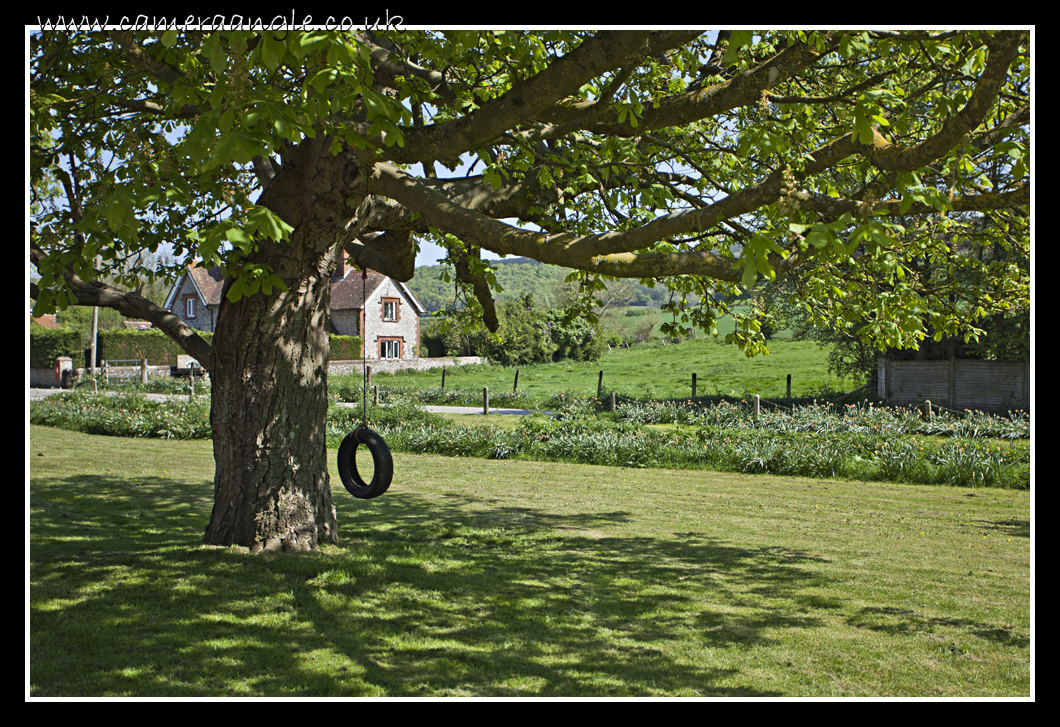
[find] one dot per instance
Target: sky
(430, 253)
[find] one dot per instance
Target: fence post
(612, 402)
(789, 386)
(376, 400)
(600, 386)
(443, 378)
(515, 386)
(693, 386)
(143, 371)
(191, 383)
(368, 370)
(757, 406)
(486, 400)
(927, 409)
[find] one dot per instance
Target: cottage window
(189, 308)
(390, 349)
(389, 310)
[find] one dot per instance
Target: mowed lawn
(473, 577)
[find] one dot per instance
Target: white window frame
(390, 310)
(189, 308)
(389, 349)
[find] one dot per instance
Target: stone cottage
(392, 325)
(196, 297)
(385, 310)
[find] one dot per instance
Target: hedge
(130, 344)
(48, 344)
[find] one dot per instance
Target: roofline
(412, 298)
(172, 297)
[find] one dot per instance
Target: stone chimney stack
(342, 269)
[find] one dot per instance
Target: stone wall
(45, 378)
(390, 366)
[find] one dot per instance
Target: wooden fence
(990, 386)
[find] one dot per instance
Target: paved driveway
(41, 393)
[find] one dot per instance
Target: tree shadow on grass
(426, 596)
(1015, 527)
(906, 621)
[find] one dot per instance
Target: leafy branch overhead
(885, 173)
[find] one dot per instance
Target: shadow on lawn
(424, 597)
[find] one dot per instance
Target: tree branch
(608, 253)
(479, 285)
(388, 65)
(133, 305)
(892, 158)
(525, 99)
(688, 107)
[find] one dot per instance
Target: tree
(846, 161)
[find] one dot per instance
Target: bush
(129, 415)
(345, 348)
(48, 344)
(526, 336)
(575, 339)
(131, 344)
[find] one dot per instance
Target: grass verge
(513, 578)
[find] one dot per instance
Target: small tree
(575, 337)
(522, 338)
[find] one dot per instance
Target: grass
(653, 370)
(475, 577)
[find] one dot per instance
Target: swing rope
(382, 460)
(364, 346)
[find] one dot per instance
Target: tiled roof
(209, 282)
(348, 293)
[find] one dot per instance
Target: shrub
(129, 415)
(48, 344)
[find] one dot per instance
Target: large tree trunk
(268, 415)
(270, 365)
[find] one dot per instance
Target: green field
(652, 370)
(475, 577)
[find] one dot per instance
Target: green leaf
(120, 214)
(862, 126)
(323, 78)
(239, 147)
(739, 39)
(264, 222)
(377, 105)
(215, 53)
(272, 50)
(235, 292)
(239, 238)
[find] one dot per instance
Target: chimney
(342, 269)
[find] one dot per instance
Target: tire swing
(384, 463)
(381, 457)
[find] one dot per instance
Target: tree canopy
(885, 172)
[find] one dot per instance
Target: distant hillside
(515, 275)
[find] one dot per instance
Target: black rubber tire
(381, 457)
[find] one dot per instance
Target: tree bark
(270, 369)
(268, 415)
